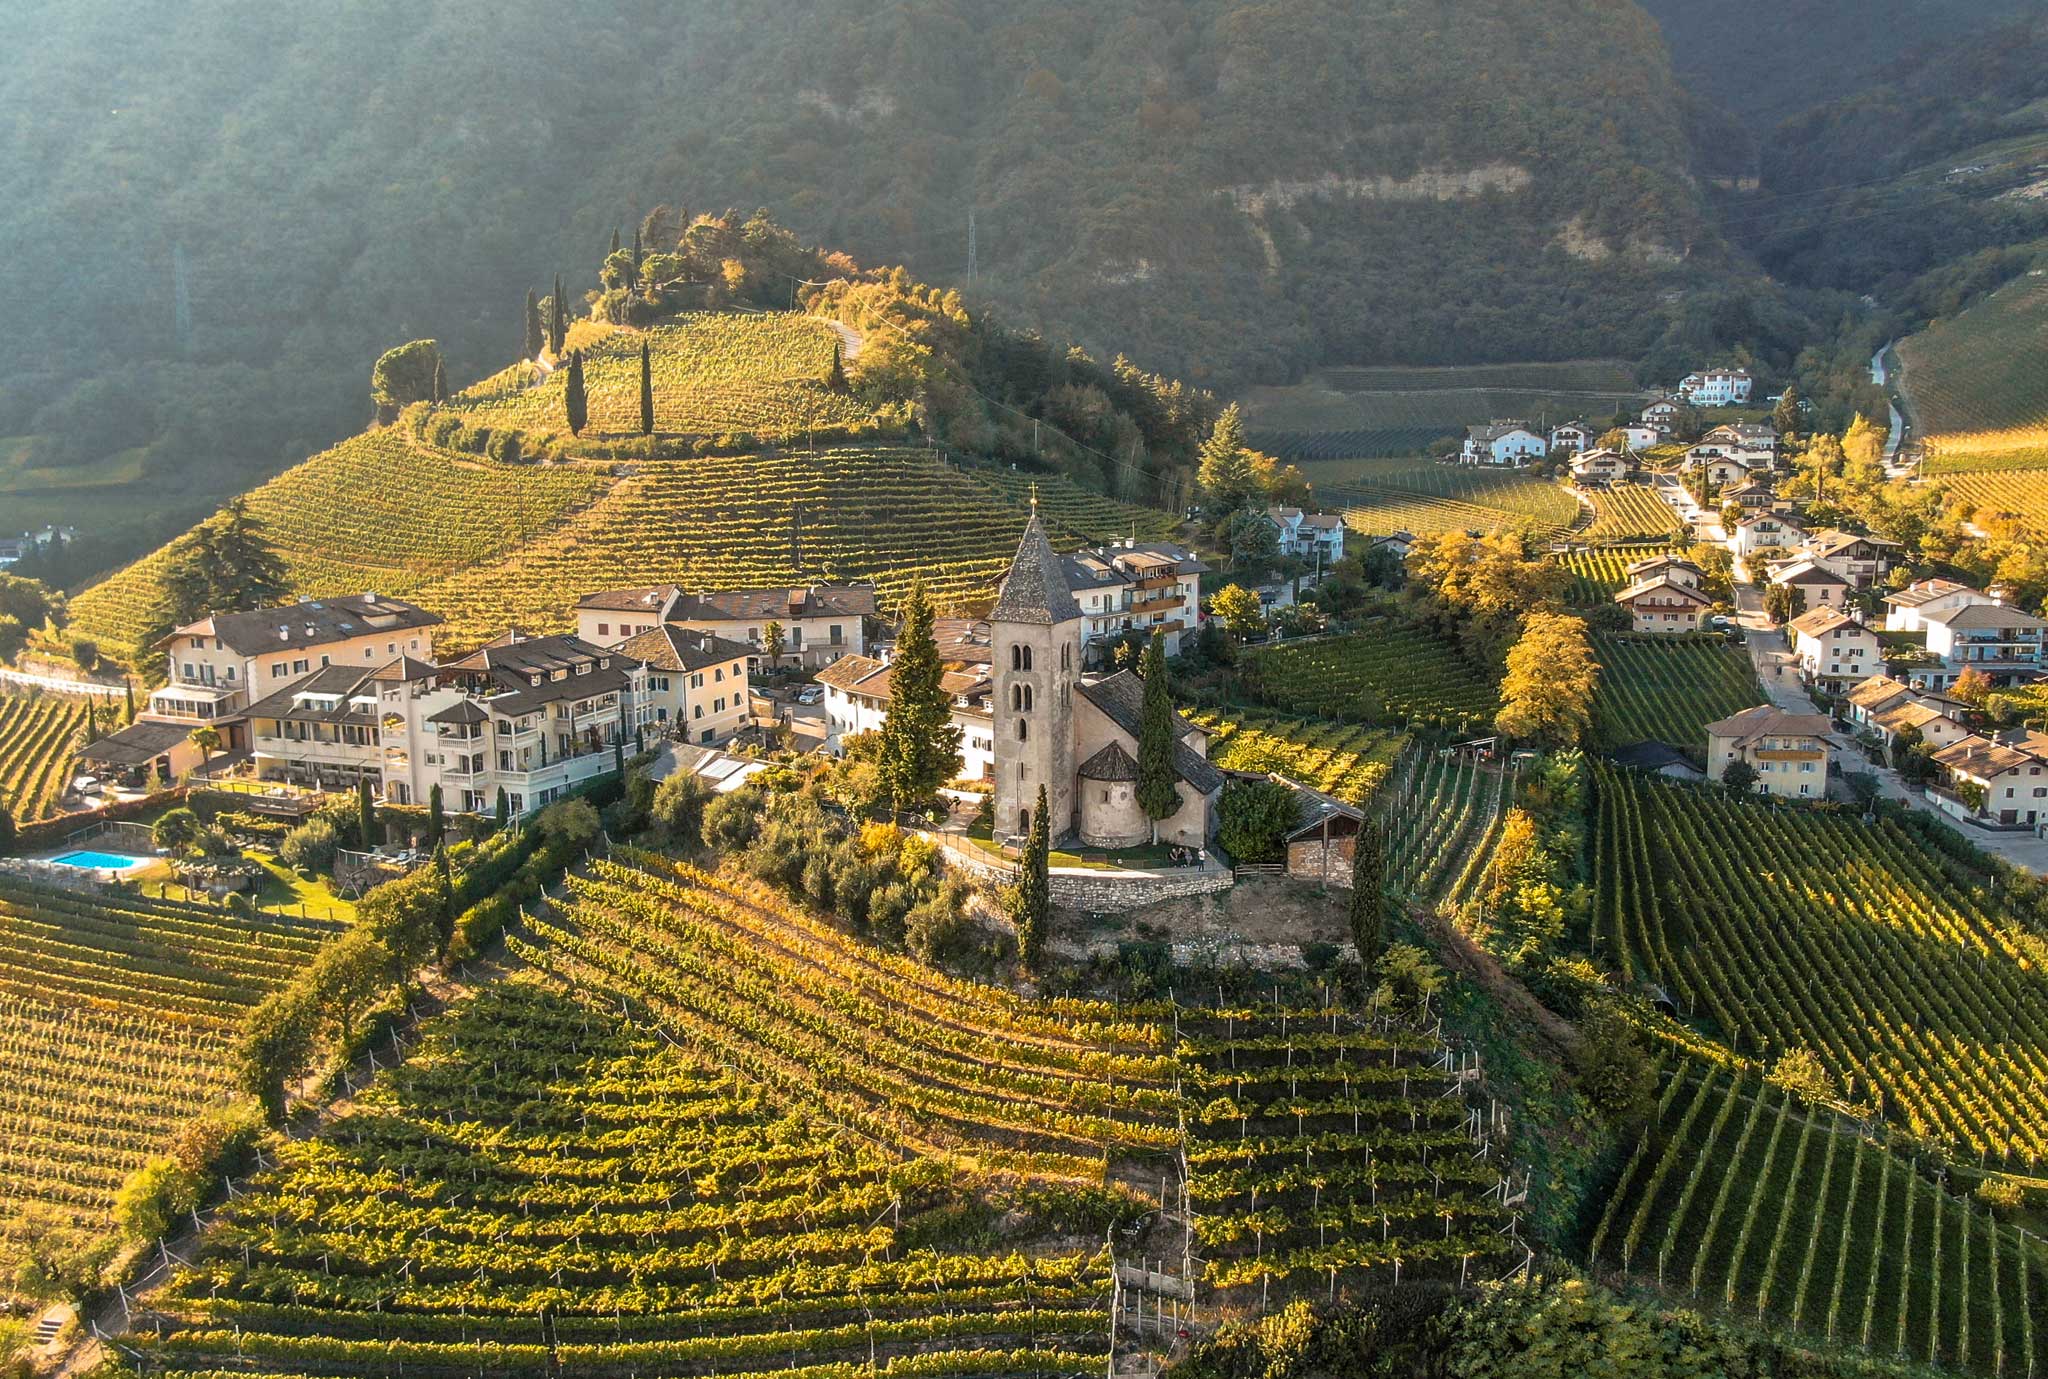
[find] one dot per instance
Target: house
(1502, 442)
(1833, 649)
(1675, 567)
(697, 688)
(1814, 585)
(1719, 467)
(819, 622)
(1316, 537)
(1600, 466)
(1998, 782)
(1135, 588)
(1861, 560)
(1663, 412)
(1398, 543)
(1755, 443)
(1765, 530)
(1664, 604)
(1886, 708)
(1998, 641)
(1753, 494)
(1907, 610)
(220, 664)
(1640, 435)
(1074, 737)
(857, 691)
(1324, 836)
(1788, 751)
(1716, 387)
(1574, 436)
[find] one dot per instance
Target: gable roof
(1878, 692)
(1806, 570)
(1662, 584)
(1639, 569)
(1121, 698)
(140, 742)
(1818, 622)
(1034, 588)
(869, 678)
(646, 600)
(309, 622)
(1986, 757)
(780, 601)
(1768, 720)
(344, 683)
(1980, 615)
(669, 647)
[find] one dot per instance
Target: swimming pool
(88, 860)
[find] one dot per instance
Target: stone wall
(1111, 892)
(1305, 860)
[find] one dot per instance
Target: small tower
(1035, 631)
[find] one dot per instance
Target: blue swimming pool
(88, 860)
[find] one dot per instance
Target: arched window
(1066, 656)
(1020, 698)
(1020, 656)
(1023, 729)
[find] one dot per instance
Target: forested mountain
(217, 214)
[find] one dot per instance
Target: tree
(1615, 1072)
(636, 248)
(402, 376)
(275, 1045)
(504, 810)
(440, 379)
(678, 809)
(1225, 469)
(1254, 818)
(6, 827)
(536, 333)
(366, 815)
(347, 976)
(771, 642)
(1779, 603)
(437, 818)
(1862, 455)
(574, 403)
(646, 391)
(1547, 693)
(615, 240)
(249, 572)
(128, 688)
(1030, 902)
(558, 320)
(207, 740)
(1368, 890)
(177, 830)
(1253, 540)
(1239, 609)
(1786, 416)
(920, 746)
(1738, 776)
(835, 378)
(1973, 687)
(1158, 795)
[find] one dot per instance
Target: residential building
(1860, 560)
(857, 692)
(1716, 387)
(1788, 751)
(1665, 605)
(1316, 537)
(1907, 610)
(1885, 708)
(1641, 435)
(1135, 588)
(1574, 436)
(1833, 649)
(1998, 641)
(1600, 466)
(1077, 738)
(1766, 530)
(1753, 494)
(1998, 782)
(1399, 543)
(1814, 585)
(1675, 567)
(1754, 443)
(697, 684)
(1663, 412)
(1503, 443)
(1720, 468)
(819, 622)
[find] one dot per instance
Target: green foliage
(1571, 1329)
(310, 846)
(1254, 818)
(575, 401)
(1367, 907)
(678, 809)
(226, 564)
(920, 744)
(1158, 793)
(1031, 905)
(38, 733)
(1615, 1070)
(275, 1046)
(404, 375)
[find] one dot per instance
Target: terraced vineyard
(1661, 690)
(1340, 759)
(1969, 464)
(115, 1018)
(380, 511)
(1380, 496)
(1975, 381)
(2023, 492)
(1323, 1155)
(1630, 512)
(1598, 575)
(1443, 819)
(1810, 929)
(1068, 510)
(37, 736)
(548, 1187)
(1389, 673)
(1743, 1198)
(714, 373)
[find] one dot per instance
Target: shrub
(1254, 818)
(934, 927)
(311, 845)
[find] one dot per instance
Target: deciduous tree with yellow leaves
(1547, 694)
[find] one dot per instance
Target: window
(1020, 698)
(696, 711)
(718, 675)
(1066, 656)
(1023, 729)
(836, 634)
(718, 704)
(299, 667)
(604, 629)
(278, 668)
(323, 662)
(1020, 657)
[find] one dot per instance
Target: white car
(810, 694)
(86, 785)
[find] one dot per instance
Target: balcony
(1167, 604)
(1151, 582)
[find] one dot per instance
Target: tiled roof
(1767, 720)
(1984, 758)
(1927, 590)
(1982, 615)
(1111, 763)
(788, 601)
(1034, 589)
(1121, 698)
(669, 647)
(1876, 692)
(1662, 584)
(309, 622)
(139, 742)
(1818, 622)
(647, 600)
(345, 682)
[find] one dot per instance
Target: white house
(1788, 751)
(1833, 649)
(1907, 610)
(1716, 387)
(1310, 536)
(1674, 567)
(1815, 585)
(1861, 560)
(1605, 466)
(1641, 435)
(1503, 443)
(697, 684)
(2009, 771)
(1720, 467)
(857, 691)
(1575, 435)
(1665, 605)
(819, 622)
(1752, 441)
(1998, 641)
(1138, 587)
(1765, 530)
(1663, 412)
(1886, 708)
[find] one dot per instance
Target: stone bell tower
(1036, 631)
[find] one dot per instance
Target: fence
(137, 837)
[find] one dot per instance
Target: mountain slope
(213, 248)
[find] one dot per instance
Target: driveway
(1769, 652)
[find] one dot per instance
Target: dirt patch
(1261, 920)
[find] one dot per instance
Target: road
(1882, 378)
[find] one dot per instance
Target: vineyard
(1443, 819)
(1389, 674)
(1069, 511)
(1340, 759)
(1809, 929)
(1740, 1197)
(1655, 689)
(115, 1015)
(2023, 492)
(1631, 512)
(37, 736)
(714, 373)
(1598, 575)
(1975, 381)
(1385, 496)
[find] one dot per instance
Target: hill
(1975, 381)
(1229, 191)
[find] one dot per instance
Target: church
(1076, 735)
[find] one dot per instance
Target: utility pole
(973, 256)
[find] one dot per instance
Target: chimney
(369, 596)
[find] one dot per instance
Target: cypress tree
(1034, 886)
(128, 716)
(6, 827)
(573, 399)
(437, 817)
(536, 333)
(440, 379)
(836, 380)
(558, 320)
(920, 747)
(636, 251)
(1368, 879)
(366, 815)
(646, 391)
(92, 720)
(1158, 796)
(615, 240)
(619, 757)
(504, 809)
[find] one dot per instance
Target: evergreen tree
(504, 809)
(646, 391)
(573, 400)
(437, 817)
(1785, 416)
(558, 320)
(440, 379)
(619, 757)
(536, 333)
(1225, 471)
(249, 573)
(366, 815)
(92, 720)
(1158, 796)
(1368, 883)
(1033, 902)
(128, 714)
(836, 380)
(615, 240)
(636, 250)
(6, 827)
(920, 747)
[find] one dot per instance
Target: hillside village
(730, 827)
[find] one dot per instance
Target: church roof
(1035, 588)
(1121, 698)
(1111, 763)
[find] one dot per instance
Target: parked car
(86, 785)
(810, 694)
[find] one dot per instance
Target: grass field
(1630, 512)
(1978, 382)
(1741, 1197)
(1656, 689)
(116, 1016)
(1381, 496)
(1341, 759)
(38, 734)
(1389, 673)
